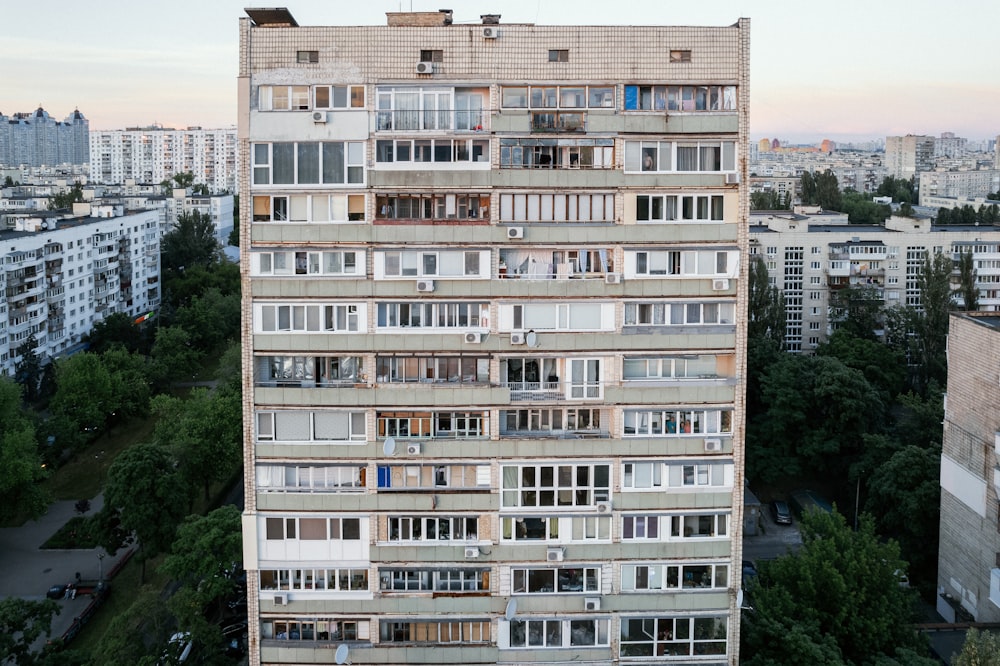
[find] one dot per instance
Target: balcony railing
(437, 120)
(553, 390)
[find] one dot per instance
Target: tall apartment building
(60, 274)
(936, 186)
(155, 154)
(905, 156)
(969, 553)
(810, 257)
(35, 139)
(493, 353)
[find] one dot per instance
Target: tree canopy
(836, 601)
(766, 309)
(191, 242)
(23, 621)
(19, 458)
(68, 198)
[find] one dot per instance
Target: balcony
(553, 390)
(558, 121)
(55, 293)
(457, 120)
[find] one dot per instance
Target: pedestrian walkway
(28, 572)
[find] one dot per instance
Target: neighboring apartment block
(493, 349)
(35, 139)
(810, 257)
(906, 156)
(155, 154)
(969, 553)
(962, 185)
(60, 274)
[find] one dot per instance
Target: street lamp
(100, 567)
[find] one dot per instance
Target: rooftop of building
(988, 319)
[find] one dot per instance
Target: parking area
(771, 539)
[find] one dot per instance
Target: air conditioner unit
(319, 117)
(555, 554)
(720, 285)
(473, 337)
(592, 603)
(281, 600)
(425, 68)
(491, 32)
(603, 507)
(714, 445)
(732, 179)
(425, 285)
(613, 278)
(517, 338)
(413, 449)
(515, 232)
(471, 552)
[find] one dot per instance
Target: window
(541, 633)
(318, 629)
(676, 423)
(437, 206)
(554, 485)
(434, 580)
(558, 55)
(275, 318)
(306, 57)
(310, 580)
(309, 426)
(431, 632)
(426, 528)
(426, 263)
(551, 264)
(655, 263)
(309, 163)
(659, 576)
(671, 156)
(431, 55)
(432, 369)
(310, 478)
(670, 208)
(688, 475)
(532, 422)
(339, 97)
(433, 477)
(657, 368)
(418, 151)
(557, 207)
(531, 153)
(673, 636)
(440, 425)
(680, 98)
(307, 371)
(553, 97)
(333, 263)
(430, 315)
(680, 55)
(283, 98)
(681, 313)
(410, 108)
(668, 528)
(556, 317)
(556, 581)
(313, 529)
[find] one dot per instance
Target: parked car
(781, 513)
(749, 571)
(178, 649)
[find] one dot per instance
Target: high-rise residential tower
(494, 340)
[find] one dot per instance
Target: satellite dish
(340, 656)
(531, 339)
(511, 610)
(739, 599)
(388, 448)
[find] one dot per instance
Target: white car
(178, 649)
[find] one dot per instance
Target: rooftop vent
(490, 19)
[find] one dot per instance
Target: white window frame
(308, 317)
(680, 313)
(303, 263)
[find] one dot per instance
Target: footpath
(27, 571)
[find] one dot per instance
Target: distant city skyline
(859, 72)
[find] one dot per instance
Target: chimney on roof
(419, 19)
(490, 19)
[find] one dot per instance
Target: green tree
(769, 200)
(766, 309)
(66, 199)
(981, 648)
(117, 329)
(900, 189)
(882, 367)
(234, 235)
(173, 357)
(146, 489)
(9, 182)
(828, 194)
(184, 179)
(967, 281)
(191, 242)
(861, 209)
(934, 282)
(210, 318)
(807, 188)
(20, 480)
(28, 368)
(22, 622)
(134, 635)
(180, 287)
(205, 433)
(837, 600)
(204, 558)
(129, 382)
(857, 311)
(84, 392)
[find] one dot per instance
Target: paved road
(27, 571)
(773, 540)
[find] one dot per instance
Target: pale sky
(852, 69)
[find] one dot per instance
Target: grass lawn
(85, 473)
